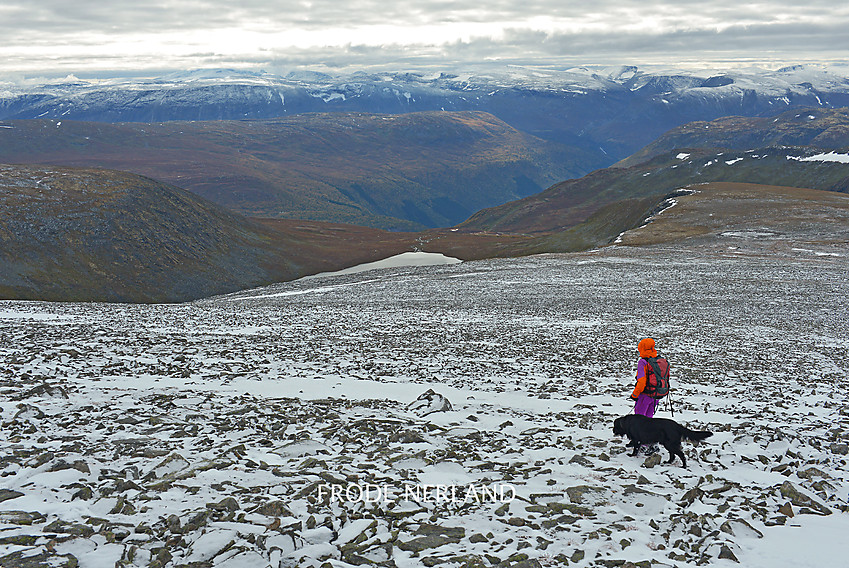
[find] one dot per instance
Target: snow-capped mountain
(612, 111)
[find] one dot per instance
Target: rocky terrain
(236, 431)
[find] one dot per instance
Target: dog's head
(618, 429)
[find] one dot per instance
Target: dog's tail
(695, 435)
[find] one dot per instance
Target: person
(643, 403)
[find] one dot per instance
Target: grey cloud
(120, 16)
(710, 26)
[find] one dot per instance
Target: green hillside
(819, 128)
(572, 202)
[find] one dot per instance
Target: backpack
(657, 377)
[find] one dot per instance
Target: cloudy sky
(53, 37)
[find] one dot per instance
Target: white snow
(827, 157)
(309, 382)
(416, 258)
(806, 542)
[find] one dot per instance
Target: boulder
(429, 402)
(806, 504)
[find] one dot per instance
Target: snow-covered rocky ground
(275, 427)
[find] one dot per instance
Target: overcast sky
(52, 37)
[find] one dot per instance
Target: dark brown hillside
(403, 172)
(97, 235)
(71, 234)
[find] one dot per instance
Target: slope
(569, 203)
(750, 219)
(96, 235)
(817, 127)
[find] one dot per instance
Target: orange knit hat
(646, 348)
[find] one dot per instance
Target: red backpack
(657, 377)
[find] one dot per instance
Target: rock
(841, 449)
(468, 561)
(227, 504)
(408, 437)
(123, 507)
(194, 523)
(477, 537)
(799, 499)
(25, 559)
(635, 490)
(75, 529)
(46, 390)
(726, 553)
(559, 508)
(581, 460)
(433, 536)
(84, 493)
(332, 478)
(79, 465)
(740, 528)
(20, 517)
(429, 402)
(312, 462)
(274, 509)
(652, 461)
(810, 473)
(691, 496)
(587, 494)
(7, 494)
(170, 467)
(27, 411)
(526, 563)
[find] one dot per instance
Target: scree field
(276, 427)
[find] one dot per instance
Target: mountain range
(179, 210)
(609, 112)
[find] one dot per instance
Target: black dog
(668, 433)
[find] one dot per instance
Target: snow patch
(825, 157)
(404, 259)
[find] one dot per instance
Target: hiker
(648, 391)
(645, 404)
